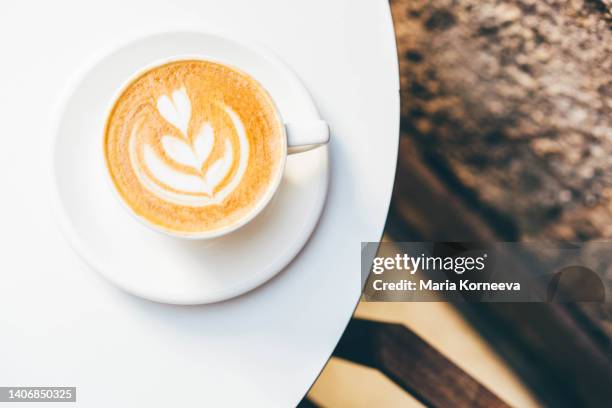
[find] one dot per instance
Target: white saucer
(144, 262)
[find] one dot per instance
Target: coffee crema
(193, 145)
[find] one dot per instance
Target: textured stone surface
(514, 100)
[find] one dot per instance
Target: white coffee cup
(297, 137)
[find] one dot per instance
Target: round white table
(63, 325)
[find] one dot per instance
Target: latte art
(206, 182)
(193, 145)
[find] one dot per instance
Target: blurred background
(506, 135)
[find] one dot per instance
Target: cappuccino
(194, 146)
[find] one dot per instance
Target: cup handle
(304, 136)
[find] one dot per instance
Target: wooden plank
(412, 364)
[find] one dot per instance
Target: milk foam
(176, 110)
(196, 188)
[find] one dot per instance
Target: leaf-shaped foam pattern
(219, 169)
(171, 183)
(173, 178)
(179, 151)
(177, 110)
(203, 144)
